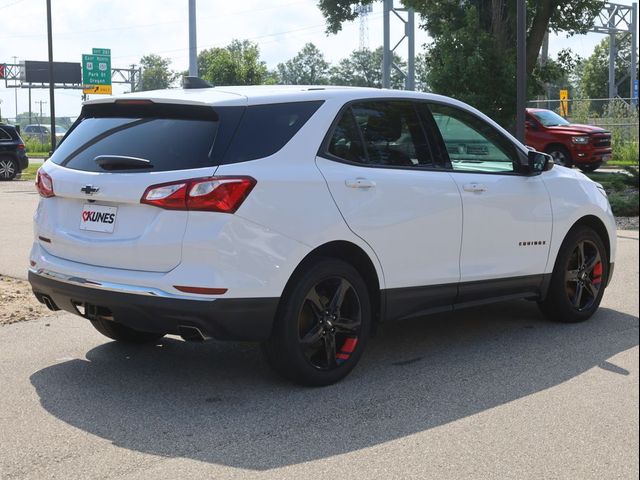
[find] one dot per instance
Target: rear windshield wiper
(120, 162)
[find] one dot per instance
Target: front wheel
(561, 156)
(579, 277)
(322, 326)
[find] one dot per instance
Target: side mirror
(538, 162)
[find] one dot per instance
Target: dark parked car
(13, 157)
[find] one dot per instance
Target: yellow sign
(564, 103)
(97, 89)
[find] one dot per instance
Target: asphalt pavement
(492, 392)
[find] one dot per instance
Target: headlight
(580, 140)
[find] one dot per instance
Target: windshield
(549, 118)
(60, 129)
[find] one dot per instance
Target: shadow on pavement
(219, 402)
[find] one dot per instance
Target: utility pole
(51, 79)
(521, 68)
(15, 62)
(40, 103)
(193, 52)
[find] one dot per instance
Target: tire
(124, 334)
(8, 168)
(590, 168)
(561, 156)
(579, 279)
(322, 325)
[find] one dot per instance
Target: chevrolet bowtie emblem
(89, 189)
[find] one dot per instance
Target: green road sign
(96, 69)
(101, 51)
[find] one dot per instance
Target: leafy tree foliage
(236, 64)
(363, 68)
(156, 73)
(594, 80)
(472, 56)
(308, 67)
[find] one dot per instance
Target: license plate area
(98, 218)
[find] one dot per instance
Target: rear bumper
(241, 319)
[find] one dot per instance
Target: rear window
(169, 144)
(180, 137)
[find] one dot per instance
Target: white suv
(301, 216)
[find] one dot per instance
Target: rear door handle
(359, 183)
(474, 187)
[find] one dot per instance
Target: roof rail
(194, 82)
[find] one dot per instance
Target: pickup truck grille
(601, 140)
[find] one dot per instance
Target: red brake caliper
(597, 274)
(347, 348)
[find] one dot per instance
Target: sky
(133, 28)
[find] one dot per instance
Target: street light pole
(521, 69)
(51, 79)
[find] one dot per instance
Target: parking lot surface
(492, 392)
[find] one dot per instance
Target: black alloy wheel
(579, 277)
(329, 323)
(583, 278)
(322, 324)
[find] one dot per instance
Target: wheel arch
(354, 255)
(598, 226)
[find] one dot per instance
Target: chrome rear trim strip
(112, 287)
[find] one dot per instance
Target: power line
(147, 25)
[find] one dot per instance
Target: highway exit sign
(96, 71)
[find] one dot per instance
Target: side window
(265, 129)
(472, 144)
(346, 142)
(4, 136)
(393, 134)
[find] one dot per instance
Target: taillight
(44, 184)
(21, 146)
(212, 194)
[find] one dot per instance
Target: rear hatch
(101, 170)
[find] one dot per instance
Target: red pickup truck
(585, 146)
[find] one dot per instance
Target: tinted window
(346, 142)
(169, 144)
(473, 144)
(265, 129)
(393, 134)
(4, 135)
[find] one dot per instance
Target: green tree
(472, 56)
(236, 64)
(308, 67)
(594, 81)
(156, 74)
(363, 68)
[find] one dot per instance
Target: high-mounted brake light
(134, 102)
(211, 194)
(44, 184)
